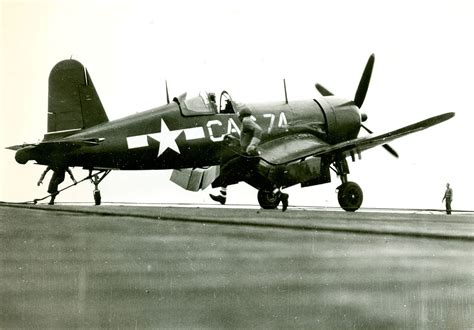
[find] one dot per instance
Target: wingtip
(447, 116)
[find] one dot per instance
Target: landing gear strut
(96, 180)
(349, 194)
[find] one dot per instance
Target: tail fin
(73, 103)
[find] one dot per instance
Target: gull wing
(365, 143)
(293, 147)
(290, 147)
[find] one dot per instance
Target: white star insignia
(166, 138)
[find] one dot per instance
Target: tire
(350, 196)
(97, 197)
(267, 199)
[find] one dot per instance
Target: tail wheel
(350, 196)
(97, 197)
(267, 199)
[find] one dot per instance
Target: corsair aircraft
(303, 141)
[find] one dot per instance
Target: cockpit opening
(225, 103)
(204, 104)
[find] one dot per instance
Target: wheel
(350, 196)
(97, 197)
(267, 199)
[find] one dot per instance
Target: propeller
(322, 90)
(385, 146)
(360, 96)
(364, 82)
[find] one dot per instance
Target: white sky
(424, 67)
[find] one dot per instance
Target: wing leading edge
(298, 147)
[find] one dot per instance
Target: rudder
(73, 102)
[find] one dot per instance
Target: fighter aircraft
(303, 141)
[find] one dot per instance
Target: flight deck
(201, 267)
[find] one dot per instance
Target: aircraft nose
(363, 117)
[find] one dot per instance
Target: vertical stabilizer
(73, 102)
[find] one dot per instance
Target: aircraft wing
(291, 147)
(294, 147)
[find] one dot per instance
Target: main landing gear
(349, 194)
(269, 199)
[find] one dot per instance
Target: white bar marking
(194, 133)
(138, 141)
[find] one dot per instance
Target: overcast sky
(424, 67)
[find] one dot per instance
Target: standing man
(57, 178)
(448, 196)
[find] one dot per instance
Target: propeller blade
(364, 82)
(368, 130)
(322, 90)
(390, 150)
(385, 146)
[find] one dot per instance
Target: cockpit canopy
(204, 103)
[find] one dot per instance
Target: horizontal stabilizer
(20, 146)
(58, 145)
(27, 152)
(73, 143)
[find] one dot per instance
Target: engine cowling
(342, 117)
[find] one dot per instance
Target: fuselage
(173, 136)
